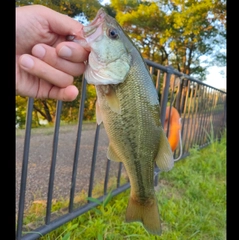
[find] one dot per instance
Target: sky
(215, 79)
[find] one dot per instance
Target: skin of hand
(45, 62)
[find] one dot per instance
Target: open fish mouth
(90, 32)
(94, 25)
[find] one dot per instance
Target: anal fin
(112, 155)
(164, 158)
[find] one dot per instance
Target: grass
(35, 215)
(191, 199)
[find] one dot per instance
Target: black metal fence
(202, 109)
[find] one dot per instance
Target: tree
(45, 109)
(71, 8)
(20, 119)
(175, 32)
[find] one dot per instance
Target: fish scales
(128, 105)
(136, 128)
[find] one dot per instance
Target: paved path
(40, 161)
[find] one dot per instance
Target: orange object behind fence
(174, 127)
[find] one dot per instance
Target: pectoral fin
(112, 98)
(112, 155)
(164, 158)
(98, 113)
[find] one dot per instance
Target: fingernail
(27, 62)
(39, 51)
(65, 52)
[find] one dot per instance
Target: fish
(128, 106)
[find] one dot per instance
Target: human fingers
(60, 23)
(49, 55)
(44, 71)
(65, 94)
(72, 51)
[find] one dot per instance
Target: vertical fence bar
(119, 174)
(215, 114)
(158, 81)
(202, 117)
(194, 118)
(183, 114)
(164, 101)
(197, 110)
(92, 172)
(106, 176)
(219, 113)
(178, 96)
(151, 71)
(207, 120)
(53, 162)
(24, 168)
(200, 111)
(188, 119)
(77, 146)
(171, 104)
(225, 111)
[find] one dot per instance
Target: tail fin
(148, 215)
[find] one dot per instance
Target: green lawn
(191, 198)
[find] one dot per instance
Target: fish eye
(113, 33)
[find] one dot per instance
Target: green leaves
(66, 234)
(45, 109)
(182, 30)
(102, 205)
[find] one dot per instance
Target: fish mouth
(95, 24)
(90, 32)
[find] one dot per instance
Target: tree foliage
(45, 109)
(71, 8)
(175, 32)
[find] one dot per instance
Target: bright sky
(215, 79)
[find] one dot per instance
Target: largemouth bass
(128, 105)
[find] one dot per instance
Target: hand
(45, 62)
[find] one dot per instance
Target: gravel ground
(40, 160)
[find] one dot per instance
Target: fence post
(225, 111)
(53, 162)
(164, 101)
(24, 168)
(178, 96)
(77, 145)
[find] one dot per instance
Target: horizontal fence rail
(202, 110)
